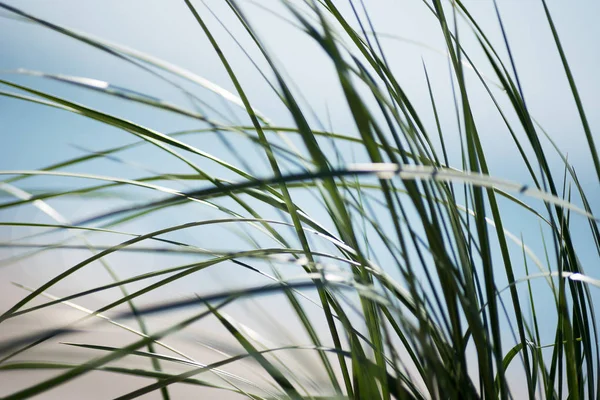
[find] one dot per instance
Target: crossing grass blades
(406, 282)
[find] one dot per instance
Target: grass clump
(385, 260)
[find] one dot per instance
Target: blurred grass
(398, 273)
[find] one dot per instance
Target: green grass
(374, 264)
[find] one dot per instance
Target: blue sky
(168, 31)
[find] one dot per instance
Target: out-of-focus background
(34, 136)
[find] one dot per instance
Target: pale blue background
(33, 136)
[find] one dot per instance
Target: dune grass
(399, 271)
